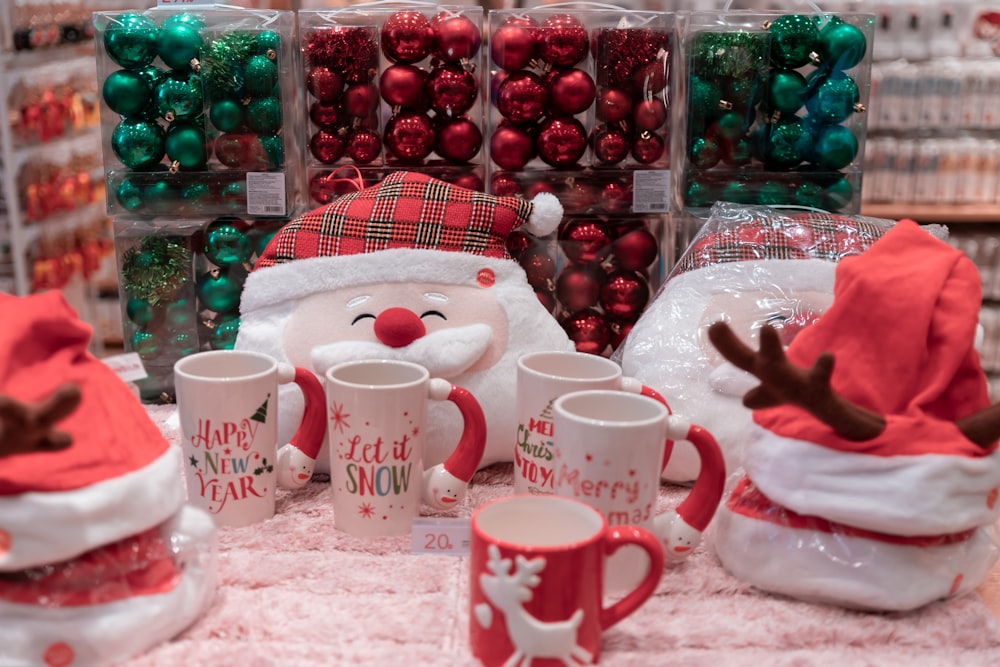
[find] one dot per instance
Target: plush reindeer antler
(28, 427)
(783, 382)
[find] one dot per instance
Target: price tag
(128, 366)
(651, 191)
(265, 193)
(441, 536)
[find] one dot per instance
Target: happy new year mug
(541, 378)
(536, 591)
(377, 421)
(610, 448)
(227, 403)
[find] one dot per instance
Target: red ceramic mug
(537, 580)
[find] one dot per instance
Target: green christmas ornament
(179, 316)
(737, 152)
(266, 43)
(704, 98)
(738, 192)
(186, 145)
(224, 333)
(183, 343)
(129, 194)
(809, 195)
(195, 195)
(219, 290)
(699, 194)
(155, 269)
(264, 115)
(261, 241)
(787, 144)
(160, 197)
(704, 153)
(730, 126)
(835, 99)
(145, 343)
(130, 40)
(138, 144)
(193, 20)
(274, 147)
(223, 63)
(839, 194)
(793, 38)
(841, 44)
(771, 193)
(227, 115)
(180, 96)
(226, 243)
(835, 147)
(178, 44)
(139, 311)
(127, 92)
(234, 196)
(730, 54)
(786, 91)
(260, 75)
(744, 92)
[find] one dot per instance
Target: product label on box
(265, 193)
(128, 366)
(651, 191)
(442, 536)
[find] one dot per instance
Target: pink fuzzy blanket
(295, 591)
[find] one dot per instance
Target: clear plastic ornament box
(770, 109)
(390, 86)
(214, 129)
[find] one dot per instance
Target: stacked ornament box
(392, 87)
(201, 130)
(579, 107)
(770, 109)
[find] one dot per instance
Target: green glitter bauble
(809, 195)
(227, 115)
(127, 92)
(744, 92)
(786, 144)
(841, 45)
(178, 44)
(183, 343)
(737, 152)
(224, 333)
(195, 195)
(835, 147)
(234, 196)
(260, 75)
(839, 194)
(738, 192)
(146, 344)
(786, 91)
(704, 153)
(130, 40)
(274, 147)
(139, 311)
(771, 193)
(219, 290)
(834, 99)
(138, 143)
(793, 38)
(180, 96)
(267, 41)
(703, 99)
(730, 54)
(226, 243)
(264, 115)
(699, 194)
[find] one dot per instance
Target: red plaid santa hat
(395, 231)
(89, 573)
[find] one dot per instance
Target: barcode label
(265, 193)
(651, 190)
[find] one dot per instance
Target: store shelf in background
(943, 213)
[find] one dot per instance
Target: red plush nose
(398, 327)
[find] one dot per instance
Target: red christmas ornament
(402, 85)
(504, 185)
(237, 151)
(619, 332)
(522, 97)
(561, 142)
(562, 40)
(578, 196)
(351, 51)
(584, 240)
(452, 89)
(512, 46)
(363, 146)
(624, 295)
(459, 140)
(511, 147)
(323, 114)
(456, 38)
(613, 105)
(620, 53)
(588, 330)
(319, 190)
(571, 91)
(616, 197)
(327, 147)
(546, 298)
(517, 242)
(324, 84)
(532, 190)
(409, 136)
(610, 145)
(579, 286)
(636, 249)
(651, 78)
(648, 148)
(469, 181)
(360, 100)
(539, 267)
(495, 82)
(650, 114)
(407, 37)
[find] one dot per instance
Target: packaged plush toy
(871, 469)
(100, 558)
(414, 269)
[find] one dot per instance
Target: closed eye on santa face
(428, 313)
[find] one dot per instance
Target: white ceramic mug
(227, 404)
(377, 421)
(541, 378)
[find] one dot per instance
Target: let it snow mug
(541, 378)
(536, 591)
(227, 403)
(377, 420)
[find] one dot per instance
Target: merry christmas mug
(377, 421)
(610, 449)
(227, 404)
(536, 591)
(541, 378)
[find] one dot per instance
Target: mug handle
(297, 459)
(682, 528)
(446, 483)
(633, 386)
(615, 539)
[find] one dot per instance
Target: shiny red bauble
(407, 37)
(584, 240)
(517, 242)
(624, 295)
(504, 185)
(539, 268)
(327, 147)
(324, 115)
(588, 330)
(402, 85)
(511, 147)
(561, 142)
(613, 105)
(452, 90)
(458, 140)
(325, 84)
(409, 136)
(512, 46)
(562, 40)
(456, 38)
(650, 114)
(636, 249)
(610, 145)
(571, 91)
(469, 181)
(521, 97)
(579, 286)
(648, 148)
(363, 146)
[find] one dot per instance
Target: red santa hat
(87, 528)
(395, 231)
(904, 511)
